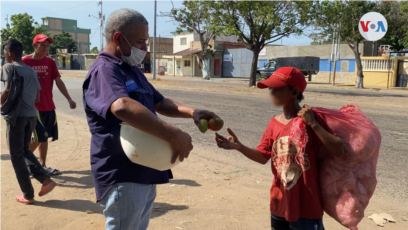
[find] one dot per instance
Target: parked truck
(308, 65)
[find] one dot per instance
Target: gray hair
(123, 20)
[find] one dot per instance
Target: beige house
(187, 52)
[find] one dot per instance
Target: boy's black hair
(14, 46)
(300, 96)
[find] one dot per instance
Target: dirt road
(214, 189)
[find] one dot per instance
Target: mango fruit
(203, 126)
(215, 124)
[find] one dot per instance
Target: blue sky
(79, 10)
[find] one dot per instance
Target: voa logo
(373, 26)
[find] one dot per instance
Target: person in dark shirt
(19, 134)
(116, 91)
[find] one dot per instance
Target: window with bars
(187, 63)
(183, 41)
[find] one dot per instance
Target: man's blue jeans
(128, 206)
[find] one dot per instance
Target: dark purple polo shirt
(108, 79)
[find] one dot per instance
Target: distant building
(184, 60)
(80, 35)
(163, 46)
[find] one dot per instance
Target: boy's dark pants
(19, 139)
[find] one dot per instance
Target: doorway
(217, 67)
(178, 70)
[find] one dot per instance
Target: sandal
(53, 172)
(45, 189)
(20, 198)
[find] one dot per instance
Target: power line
(97, 28)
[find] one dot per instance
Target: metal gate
(402, 78)
(237, 63)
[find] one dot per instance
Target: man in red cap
(295, 194)
(47, 72)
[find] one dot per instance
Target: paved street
(248, 117)
(213, 188)
(312, 86)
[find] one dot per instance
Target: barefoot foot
(20, 198)
(47, 187)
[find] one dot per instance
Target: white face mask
(136, 55)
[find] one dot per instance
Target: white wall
(176, 41)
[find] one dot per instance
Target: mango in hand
(203, 126)
(215, 124)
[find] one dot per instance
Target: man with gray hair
(116, 91)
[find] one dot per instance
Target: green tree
(396, 14)
(5, 34)
(196, 16)
(23, 30)
(345, 15)
(258, 23)
(94, 50)
(404, 9)
(63, 41)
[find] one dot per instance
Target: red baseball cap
(41, 38)
(285, 76)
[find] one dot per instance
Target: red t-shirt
(295, 191)
(47, 72)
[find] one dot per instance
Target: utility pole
(332, 54)
(101, 18)
(7, 21)
(336, 55)
(154, 41)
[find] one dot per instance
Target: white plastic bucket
(145, 149)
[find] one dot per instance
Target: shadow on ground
(190, 183)
(72, 205)
(159, 209)
(5, 157)
(85, 182)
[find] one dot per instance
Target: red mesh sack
(347, 183)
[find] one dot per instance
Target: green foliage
(396, 14)
(404, 8)
(5, 35)
(94, 50)
(63, 41)
(39, 30)
(344, 16)
(344, 13)
(23, 30)
(258, 23)
(196, 16)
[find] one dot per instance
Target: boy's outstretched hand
(306, 113)
(230, 142)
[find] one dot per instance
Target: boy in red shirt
(47, 72)
(295, 194)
